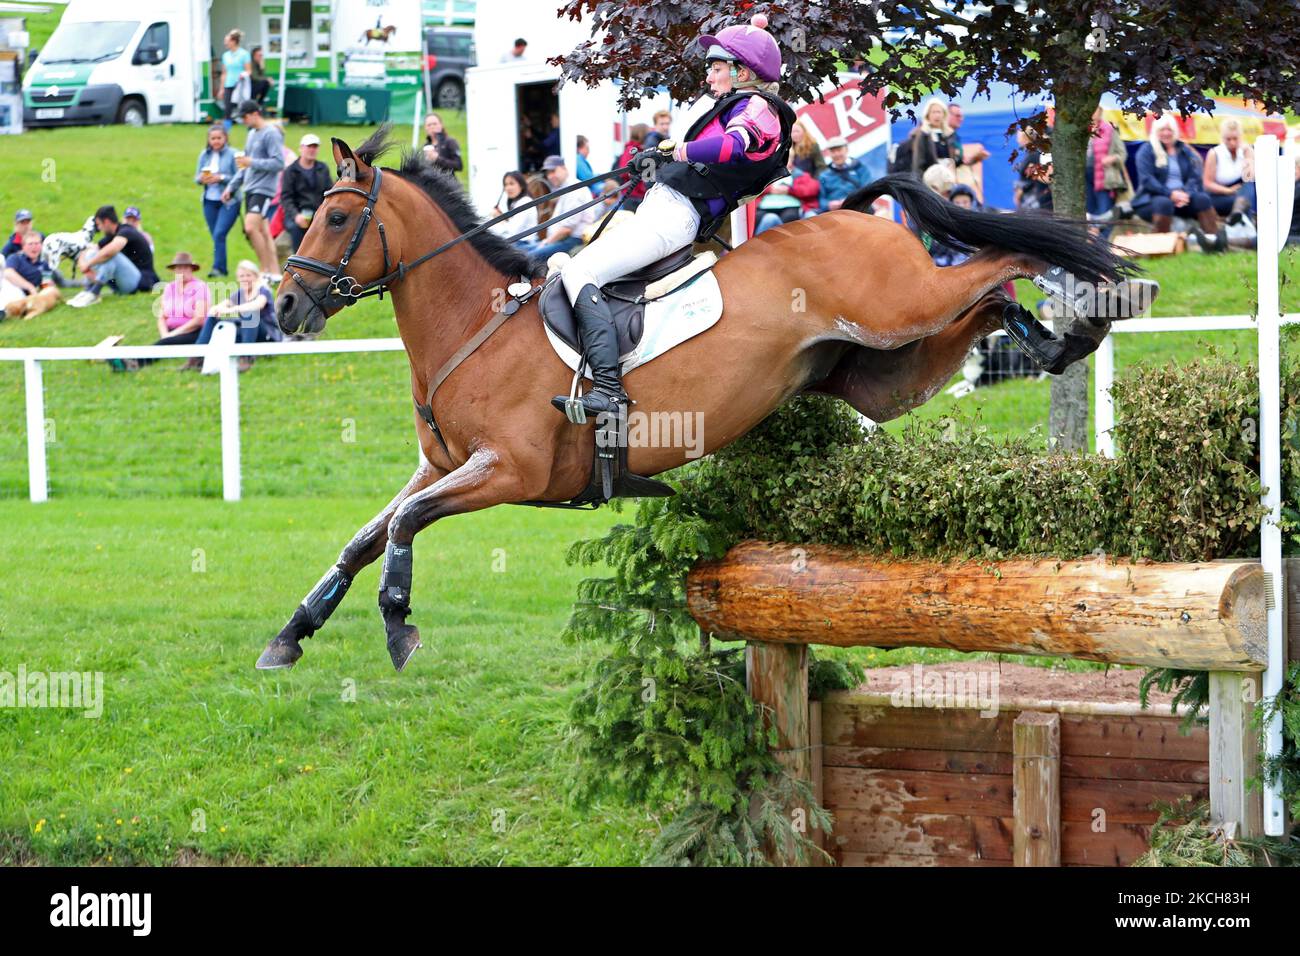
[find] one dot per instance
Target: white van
(115, 62)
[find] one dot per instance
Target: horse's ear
(350, 169)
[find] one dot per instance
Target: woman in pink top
(185, 303)
(734, 150)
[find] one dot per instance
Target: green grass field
(136, 569)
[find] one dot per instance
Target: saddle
(627, 298)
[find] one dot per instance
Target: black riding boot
(599, 341)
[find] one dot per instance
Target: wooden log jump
(1207, 616)
(1203, 616)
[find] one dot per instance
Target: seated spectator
(942, 181)
(131, 217)
(1229, 176)
(610, 195)
(964, 196)
(514, 192)
(440, 149)
(22, 226)
(183, 307)
(25, 289)
(302, 188)
(252, 305)
(843, 176)
(566, 234)
(261, 83)
(121, 260)
(807, 155)
(1171, 182)
(789, 198)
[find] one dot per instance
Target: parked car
(450, 52)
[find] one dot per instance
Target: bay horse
(845, 303)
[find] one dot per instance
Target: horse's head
(343, 251)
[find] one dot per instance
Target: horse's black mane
(445, 190)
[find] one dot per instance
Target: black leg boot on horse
(599, 340)
(1050, 352)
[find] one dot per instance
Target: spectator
(807, 156)
(22, 226)
(516, 53)
(440, 149)
(1033, 189)
(184, 305)
(963, 196)
(259, 171)
(585, 171)
(663, 124)
(636, 137)
(1105, 178)
(843, 176)
(24, 272)
(942, 181)
(131, 217)
(121, 260)
(550, 144)
(963, 163)
(933, 141)
(1171, 182)
(254, 305)
(566, 234)
(302, 188)
(260, 83)
(236, 64)
(1229, 176)
(792, 197)
(514, 189)
(216, 167)
(609, 193)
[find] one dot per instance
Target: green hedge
(665, 720)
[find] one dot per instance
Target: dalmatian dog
(67, 245)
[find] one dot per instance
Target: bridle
(343, 289)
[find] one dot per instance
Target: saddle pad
(669, 321)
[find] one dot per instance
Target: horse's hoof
(280, 653)
(403, 644)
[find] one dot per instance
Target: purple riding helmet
(750, 45)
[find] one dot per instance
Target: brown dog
(28, 307)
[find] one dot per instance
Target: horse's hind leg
(483, 481)
(366, 545)
(884, 384)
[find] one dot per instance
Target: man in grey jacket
(259, 175)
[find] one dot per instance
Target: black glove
(645, 163)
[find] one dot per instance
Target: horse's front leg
(366, 545)
(486, 479)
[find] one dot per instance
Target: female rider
(733, 151)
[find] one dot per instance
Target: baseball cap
(836, 141)
(249, 106)
(552, 161)
(23, 214)
(131, 212)
(311, 139)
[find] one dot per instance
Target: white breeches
(664, 222)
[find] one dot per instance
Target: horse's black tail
(1055, 239)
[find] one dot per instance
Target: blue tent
(986, 120)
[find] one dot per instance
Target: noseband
(343, 289)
